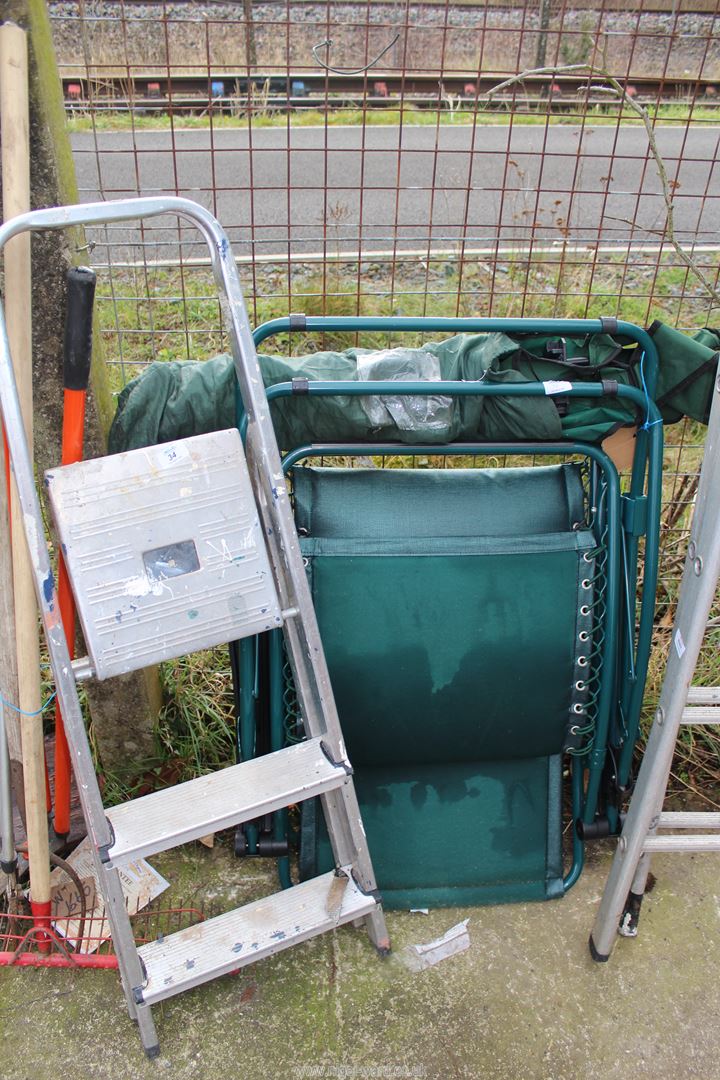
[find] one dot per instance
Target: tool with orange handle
(77, 357)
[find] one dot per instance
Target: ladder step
(690, 844)
(701, 714)
(228, 942)
(704, 695)
(689, 819)
(209, 803)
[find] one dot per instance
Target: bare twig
(531, 73)
(616, 88)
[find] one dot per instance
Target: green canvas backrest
(450, 604)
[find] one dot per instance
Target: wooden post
(14, 126)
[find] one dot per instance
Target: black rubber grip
(77, 352)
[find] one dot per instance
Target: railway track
(232, 91)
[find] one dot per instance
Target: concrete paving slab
(524, 1001)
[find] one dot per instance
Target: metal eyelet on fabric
(585, 610)
(580, 686)
(582, 661)
(583, 636)
(578, 709)
(586, 583)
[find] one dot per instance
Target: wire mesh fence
(425, 176)
(369, 158)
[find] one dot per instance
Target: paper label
(140, 884)
(557, 386)
(679, 644)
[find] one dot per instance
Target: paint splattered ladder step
(249, 933)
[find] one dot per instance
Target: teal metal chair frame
(601, 771)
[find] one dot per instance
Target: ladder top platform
(164, 549)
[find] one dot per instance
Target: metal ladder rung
(689, 819)
(680, 843)
(228, 942)
(701, 714)
(218, 800)
(704, 695)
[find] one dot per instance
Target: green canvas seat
(450, 604)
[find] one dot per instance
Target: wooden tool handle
(14, 129)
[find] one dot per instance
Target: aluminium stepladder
(206, 477)
(644, 830)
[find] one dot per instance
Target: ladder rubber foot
(383, 951)
(153, 1051)
(599, 958)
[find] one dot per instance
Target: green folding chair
(487, 629)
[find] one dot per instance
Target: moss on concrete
(525, 1002)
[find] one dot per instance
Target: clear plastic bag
(432, 413)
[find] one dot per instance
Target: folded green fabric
(175, 399)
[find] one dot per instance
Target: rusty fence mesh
(373, 158)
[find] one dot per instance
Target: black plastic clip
(104, 849)
(556, 349)
(298, 322)
(300, 385)
(609, 324)
(137, 991)
(610, 387)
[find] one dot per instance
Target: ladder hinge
(634, 514)
(337, 764)
(104, 849)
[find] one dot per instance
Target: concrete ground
(525, 1001)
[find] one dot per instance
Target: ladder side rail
(697, 592)
(44, 583)
(341, 808)
(307, 657)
